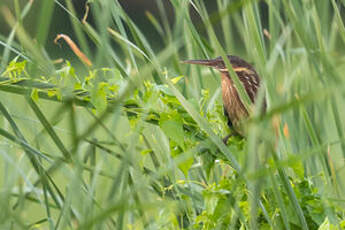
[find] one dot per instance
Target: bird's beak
(211, 63)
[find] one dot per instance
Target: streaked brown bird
(234, 108)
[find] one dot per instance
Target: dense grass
(134, 140)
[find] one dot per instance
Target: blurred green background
(136, 10)
(134, 139)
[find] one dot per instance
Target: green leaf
(327, 226)
(34, 95)
(297, 166)
(172, 126)
(176, 79)
(99, 97)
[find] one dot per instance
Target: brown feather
(234, 108)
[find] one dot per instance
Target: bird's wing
(250, 80)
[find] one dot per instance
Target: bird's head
(237, 63)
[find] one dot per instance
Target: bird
(234, 108)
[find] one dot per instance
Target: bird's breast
(232, 102)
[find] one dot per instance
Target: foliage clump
(173, 166)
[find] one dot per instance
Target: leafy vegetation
(132, 139)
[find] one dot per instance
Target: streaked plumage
(233, 106)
